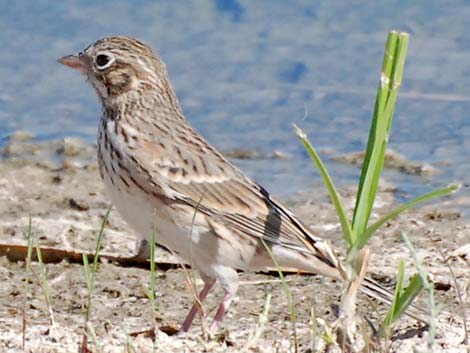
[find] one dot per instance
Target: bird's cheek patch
(119, 82)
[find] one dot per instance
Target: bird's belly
(134, 209)
(178, 229)
(144, 215)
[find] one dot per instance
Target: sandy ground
(58, 185)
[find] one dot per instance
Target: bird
(162, 175)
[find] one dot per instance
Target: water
(246, 70)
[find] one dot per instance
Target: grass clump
(401, 300)
(357, 232)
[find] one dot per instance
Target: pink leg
(228, 279)
(197, 305)
(219, 315)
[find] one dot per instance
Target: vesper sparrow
(159, 172)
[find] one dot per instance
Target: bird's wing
(202, 178)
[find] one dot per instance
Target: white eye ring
(103, 60)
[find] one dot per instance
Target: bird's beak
(75, 61)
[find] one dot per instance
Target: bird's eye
(103, 61)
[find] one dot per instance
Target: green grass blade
(91, 331)
(381, 99)
(90, 274)
(86, 269)
(394, 57)
(27, 274)
(403, 40)
(429, 287)
(401, 303)
(153, 239)
(402, 299)
(287, 292)
(406, 298)
(410, 204)
(45, 284)
(151, 291)
(335, 198)
(259, 328)
(398, 290)
(151, 294)
(98, 243)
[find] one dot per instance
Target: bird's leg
(197, 304)
(222, 309)
(228, 279)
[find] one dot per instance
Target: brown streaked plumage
(160, 172)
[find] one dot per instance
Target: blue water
(246, 70)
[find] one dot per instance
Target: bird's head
(118, 65)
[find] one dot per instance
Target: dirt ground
(58, 185)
